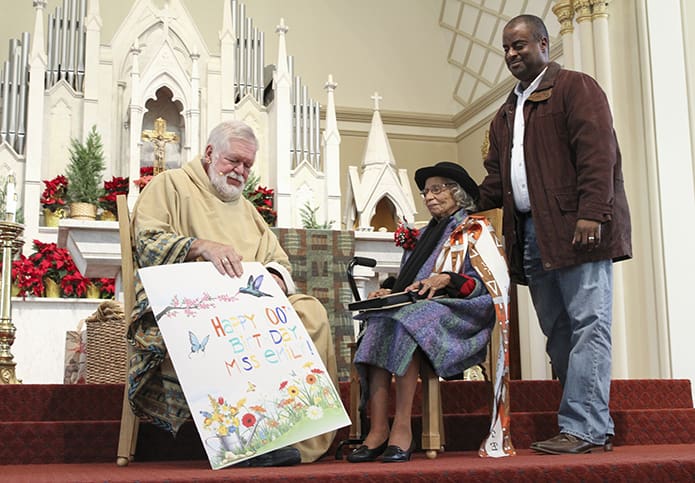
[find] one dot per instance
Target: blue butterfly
(197, 346)
(253, 287)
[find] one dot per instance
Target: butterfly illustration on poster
(197, 346)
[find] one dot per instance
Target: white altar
(41, 323)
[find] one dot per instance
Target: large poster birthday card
(250, 372)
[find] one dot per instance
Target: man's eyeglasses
(435, 189)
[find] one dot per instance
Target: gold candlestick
(10, 233)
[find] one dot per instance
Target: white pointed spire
(331, 121)
(227, 26)
(38, 40)
(378, 150)
(281, 30)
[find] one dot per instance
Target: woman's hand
(379, 293)
(430, 285)
(225, 259)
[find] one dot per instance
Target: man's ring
(225, 261)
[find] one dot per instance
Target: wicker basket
(106, 344)
(83, 211)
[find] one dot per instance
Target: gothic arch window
(385, 215)
(163, 106)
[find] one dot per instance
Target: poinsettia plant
(262, 198)
(56, 263)
(26, 277)
(106, 286)
(74, 284)
(54, 193)
(117, 186)
(146, 173)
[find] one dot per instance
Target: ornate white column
(227, 43)
(583, 10)
(602, 57)
(281, 128)
(331, 152)
(93, 25)
(671, 189)
(35, 116)
(135, 115)
(602, 48)
(565, 15)
(193, 135)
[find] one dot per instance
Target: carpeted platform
(653, 463)
(70, 433)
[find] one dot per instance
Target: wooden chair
(432, 416)
(129, 422)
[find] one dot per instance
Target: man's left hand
(587, 234)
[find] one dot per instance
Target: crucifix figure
(159, 137)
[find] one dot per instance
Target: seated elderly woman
(451, 326)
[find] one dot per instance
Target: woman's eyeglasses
(435, 189)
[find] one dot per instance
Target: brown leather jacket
(573, 166)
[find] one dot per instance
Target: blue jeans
(574, 308)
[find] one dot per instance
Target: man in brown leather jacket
(554, 165)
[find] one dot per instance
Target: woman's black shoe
(364, 454)
(394, 454)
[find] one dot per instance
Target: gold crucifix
(159, 137)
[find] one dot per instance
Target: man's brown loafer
(568, 444)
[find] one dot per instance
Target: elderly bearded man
(198, 213)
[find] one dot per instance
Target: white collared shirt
(519, 182)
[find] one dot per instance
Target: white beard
(226, 191)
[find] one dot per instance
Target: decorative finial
(376, 97)
(282, 27)
(330, 85)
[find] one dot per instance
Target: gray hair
(226, 131)
(462, 198)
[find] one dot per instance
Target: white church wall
(62, 122)
(39, 347)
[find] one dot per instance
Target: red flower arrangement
(26, 277)
(263, 199)
(53, 196)
(146, 173)
(406, 235)
(107, 287)
(49, 261)
(56, 263)
(117, 186)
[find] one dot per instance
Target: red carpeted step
(58, 442)
(80, 423)
(60, 402)
(634, 464)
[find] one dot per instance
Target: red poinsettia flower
(51, 261)
(26, 277)
(263, 199)
(53, 196)
(146, 174)
(107, 287)
(116, 186)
